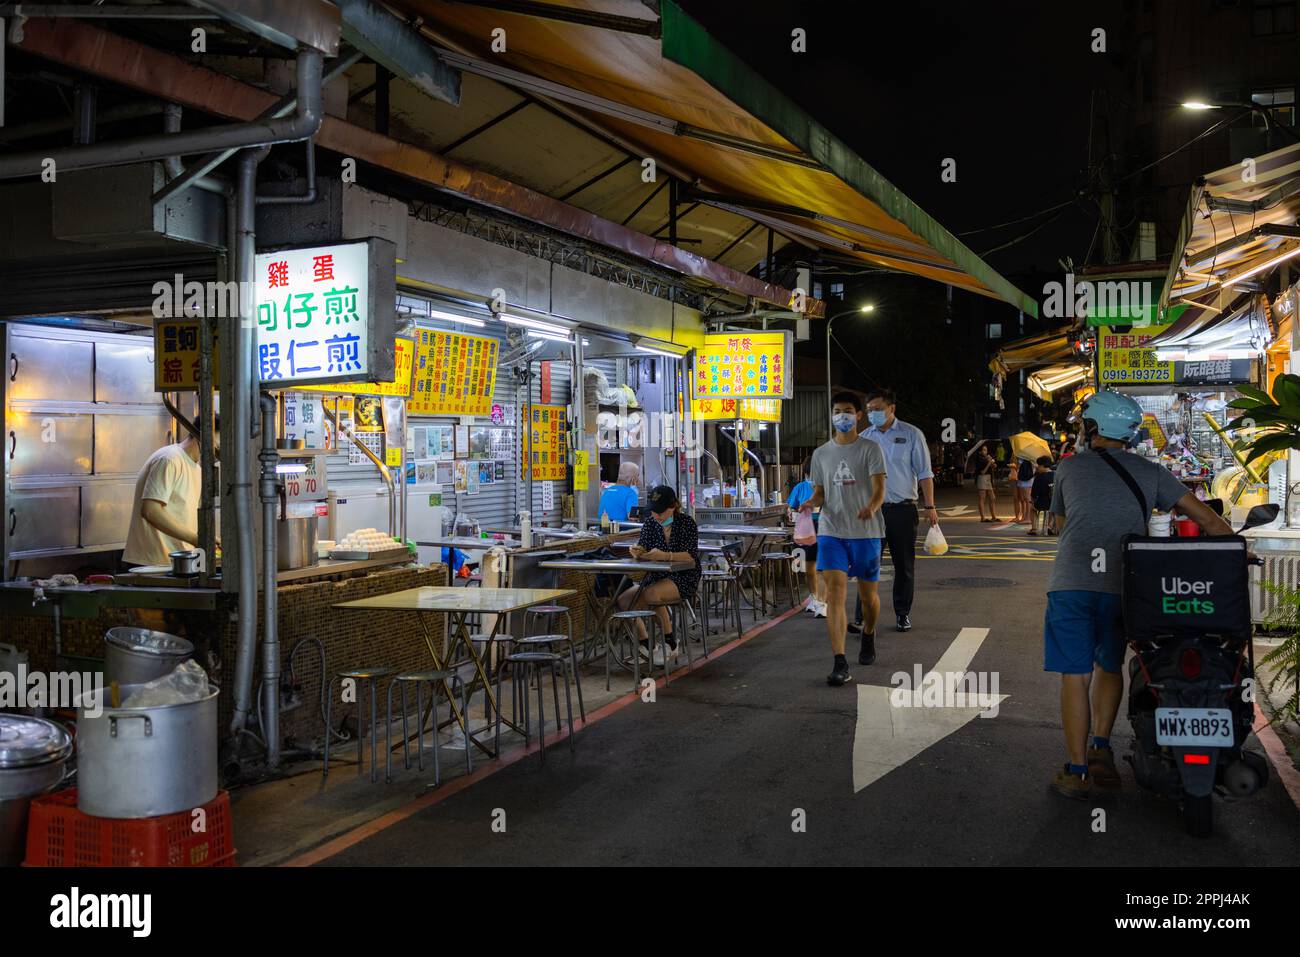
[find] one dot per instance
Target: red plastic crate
(59, 835)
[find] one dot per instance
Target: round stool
(549, 641)
(622, 624)
(435, 680)
(675, 615)
(521, 663)
(364, 677)
(724, 587)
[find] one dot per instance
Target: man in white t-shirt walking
(165, 511)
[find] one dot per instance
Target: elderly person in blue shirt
(909, 492)
(617, 501)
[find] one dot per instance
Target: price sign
(752, 365)
(307, 486)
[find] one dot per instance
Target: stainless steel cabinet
(59, 370)
(46, 443)
(124, 372)
(42, 518)
(123, 442)
(106, 512)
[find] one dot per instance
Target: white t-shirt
(169, 476)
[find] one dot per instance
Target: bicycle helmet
(1115, 416)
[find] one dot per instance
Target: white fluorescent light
(290, 469)
(1256, 270)
(659, 352)
(552, 336)
(1198, 105)
(533, 324)
(452, 317)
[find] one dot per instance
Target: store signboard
(1124, 358)
(455, 374)
(398, 387)
(546, 442)
(176, 356)
(751, 410)
(744, 365)
(1214, 371)
(326, 313)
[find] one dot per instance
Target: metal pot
(295, 543)
(33, 757)
(143, 762)
(187, 564)
(133, 656)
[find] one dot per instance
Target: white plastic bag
(805, 533)
(186, 682)
(935, 543)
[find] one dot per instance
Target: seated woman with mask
(668, 535)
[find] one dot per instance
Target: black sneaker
(840, 673)
(867, 652)
(904, 623)
(855, 628)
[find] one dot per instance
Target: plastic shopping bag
(805, 533)
(935, 543)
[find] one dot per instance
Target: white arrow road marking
(887, 737)
(954, 511)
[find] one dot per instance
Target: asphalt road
(727, 761)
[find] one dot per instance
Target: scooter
(1191, 701)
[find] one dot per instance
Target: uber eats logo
(1182, 597)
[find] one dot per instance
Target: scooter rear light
(1189, 663)
(1196, 759)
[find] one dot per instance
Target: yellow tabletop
(490, 601)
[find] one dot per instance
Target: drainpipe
(173, 164)
(301, 125)
(242, 401)
(269, 488)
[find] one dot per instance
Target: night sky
(1003, 88)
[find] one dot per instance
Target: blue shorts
(1080, 629)
(857, 557)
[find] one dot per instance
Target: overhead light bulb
(453, 317)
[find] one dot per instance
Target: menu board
(1123, 358)
(751, 410)
(745, 364)
(455, 374)
(399, 387)
(550, 442)
(176, 355)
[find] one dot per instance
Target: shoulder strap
(1131, 482)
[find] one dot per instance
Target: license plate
(1194, 727)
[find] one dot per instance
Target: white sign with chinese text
(312, 309)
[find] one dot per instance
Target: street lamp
(847, 312)
(1270, 121)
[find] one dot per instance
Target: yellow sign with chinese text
(1123, 358)
(399, 387)
(176, 355)
(581, 476)
(546, 442)
(750, 365)
(454, 374)
(751, 410)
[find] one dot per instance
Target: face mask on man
(844, 421)
(877, 417)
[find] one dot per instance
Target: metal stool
(774, 563)
(623, 622)
(549, 641)
(498, 638)
(521, 663)
(363, 676)
(420, 678)
(756, 597)
(724, 586)
(676, 616)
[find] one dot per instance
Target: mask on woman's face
(667, 521)
(844, 421)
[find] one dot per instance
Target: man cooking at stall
(165, 510)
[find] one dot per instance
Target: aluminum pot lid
(27, 741)
(148, 642)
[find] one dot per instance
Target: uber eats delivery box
(1184, 587)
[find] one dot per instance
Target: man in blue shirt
(909, 477)
(617, 501)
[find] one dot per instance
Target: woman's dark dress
(684, 536)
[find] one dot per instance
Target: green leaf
(1243, 402)
(1250, 392)
(1255, 418)
(1274, 442)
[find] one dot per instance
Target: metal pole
(829, 404)
(780, 482)
(579, 392)
(269, 488)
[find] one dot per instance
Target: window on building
(994, 330)
(837, 290)
(1272, 17)
(1280, 101)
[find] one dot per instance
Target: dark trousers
(901, 521)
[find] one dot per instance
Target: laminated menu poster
(454, 374)
(546, 442)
